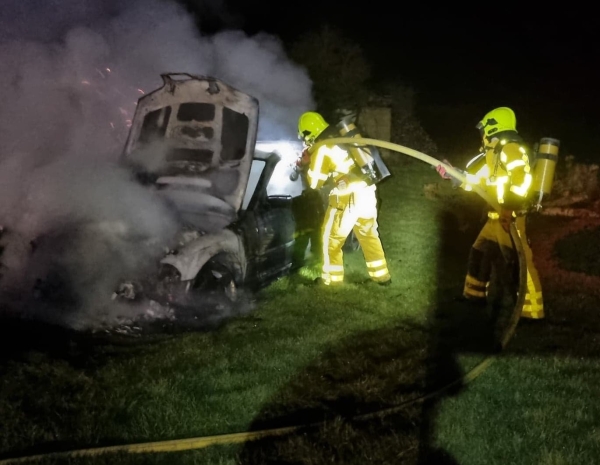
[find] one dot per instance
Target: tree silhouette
(337, 67)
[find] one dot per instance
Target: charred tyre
(216, 278)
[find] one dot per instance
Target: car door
(268, 226)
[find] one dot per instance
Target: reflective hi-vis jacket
(336, 163)
(503, 170)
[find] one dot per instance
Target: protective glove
(304, 160)
(441, 170)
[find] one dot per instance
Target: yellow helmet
(310, 126)
(498, 120)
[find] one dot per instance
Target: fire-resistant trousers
(352, 212)
(491, 239)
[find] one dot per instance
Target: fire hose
(514, 233)
(177, 445)
(461, 177)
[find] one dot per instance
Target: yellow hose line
(487, 361)
(515, 316)
(177, 445)
(491, 201)
(410, 152)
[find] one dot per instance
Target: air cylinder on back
(543, 170)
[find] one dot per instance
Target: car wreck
(195, 141)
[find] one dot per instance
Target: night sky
(462, 62)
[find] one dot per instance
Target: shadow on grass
(376, 370)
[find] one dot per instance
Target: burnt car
(195, 140)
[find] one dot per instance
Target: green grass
(309, 354)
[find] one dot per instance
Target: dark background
(462, 61)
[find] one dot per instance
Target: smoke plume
(69, 80)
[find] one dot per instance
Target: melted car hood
(197, 135)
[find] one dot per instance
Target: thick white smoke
(70, 76)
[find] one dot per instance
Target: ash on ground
(196, 312)
(135, 318)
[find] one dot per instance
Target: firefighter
(352, 203)
(309, 211)
(503, 169)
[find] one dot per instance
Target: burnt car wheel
(216, 278)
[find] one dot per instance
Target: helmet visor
(305, 136)
(489, 122)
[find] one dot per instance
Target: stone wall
(376, 123)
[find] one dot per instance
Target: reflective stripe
(534, 303)
(500, 192)
(331, 280)
(484, 172)
(314, 181)
(471, 280)
(474, 159)
(536, 295)
(493, 215)
(376, 263)
(532, 313)
(331, 268)
(518, 190)
(513, 164)
(326, 232)
(378, 274)
(474, 292)
(474, 287)
(341, 160)
(378, 268)
(341, 163)
(523, 188)
(497, 180)
(533, 308)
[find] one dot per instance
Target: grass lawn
(307, 354)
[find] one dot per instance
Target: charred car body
(194, 139)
